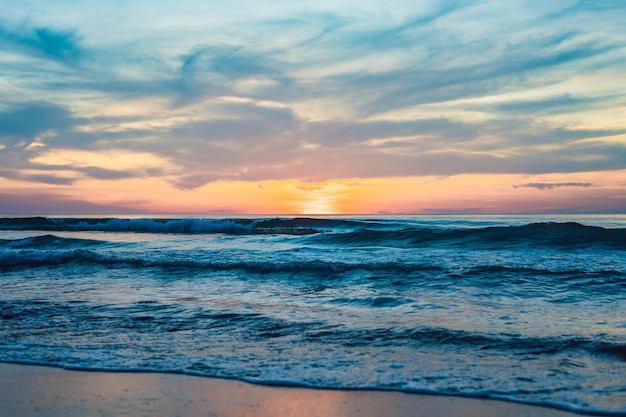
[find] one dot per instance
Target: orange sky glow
(460, 194)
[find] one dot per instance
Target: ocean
(527, 309)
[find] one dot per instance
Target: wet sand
(45, 391)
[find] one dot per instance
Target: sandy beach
(45, 391)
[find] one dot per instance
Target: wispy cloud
(550, 186)
(37, 178)
(43, 42)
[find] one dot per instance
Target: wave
(565, 284)
(26, 258)
(297, 226)
(150, 316)
(560, 235)
(347, 232)
(47, 242)
(429, 336)
(372, 302)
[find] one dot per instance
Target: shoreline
(35, 390)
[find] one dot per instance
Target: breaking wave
(345, 231)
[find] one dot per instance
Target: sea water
(524, 309)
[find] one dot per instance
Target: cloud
(52, 204)
(21, 123)
(246, 141)
(33, 134)
(36, 178)
(106, 174)
(216, 70)
(294, 92)
(431, 57)
(340, 133)
(550, 186)
(310, 187)
(62, 46)
(555, 104)
(504, 71)
(43, 42)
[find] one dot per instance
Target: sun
(317, 206)
(319, 198)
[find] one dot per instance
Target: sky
(312, 107)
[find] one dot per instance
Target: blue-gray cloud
(412, 86)
(550, 186)
(43, 42)
(557, 104)
(213, 70)
(37, 178)
(21, 123)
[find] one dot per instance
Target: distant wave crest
(549, 234)
(296, 226)
(345, 232)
